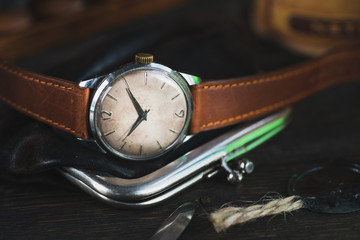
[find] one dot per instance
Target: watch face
(142, 113)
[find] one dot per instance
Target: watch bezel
(107, 80)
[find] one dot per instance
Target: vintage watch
(145, 109)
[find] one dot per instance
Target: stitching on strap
(275, 105)
(36, 115)
(6, 68)
(272, 78)
(263, 80)
(267, 108)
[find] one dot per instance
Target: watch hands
(137, 122)
(142, 115)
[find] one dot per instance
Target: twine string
(226, 217)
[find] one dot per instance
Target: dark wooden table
(324, 128)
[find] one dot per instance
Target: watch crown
(144, 58)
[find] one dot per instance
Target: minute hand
(142, 115)
(137, 106)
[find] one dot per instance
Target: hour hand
(137, 106)
(137, 122)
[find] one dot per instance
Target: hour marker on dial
(159, 144)
(162, 86)
(112, 97)
(172, 130)
(175, 96)
(145, 77)
(107, 134)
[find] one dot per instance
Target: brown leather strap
(225, 102)
(220, 103)
(60, 103)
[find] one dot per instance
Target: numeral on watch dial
(106, 115)
(180, 114)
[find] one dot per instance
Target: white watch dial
(141, 114)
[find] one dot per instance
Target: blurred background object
(307, 26)
(14, 16)
(55, 8)
(30, 26)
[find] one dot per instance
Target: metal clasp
(236, 174)
(200, 163)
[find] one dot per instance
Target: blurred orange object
(308, 26)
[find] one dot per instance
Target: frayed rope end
(226, 217)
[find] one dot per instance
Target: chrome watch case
(98, 85)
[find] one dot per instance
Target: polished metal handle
(203, 162)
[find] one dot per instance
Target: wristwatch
(145, 109)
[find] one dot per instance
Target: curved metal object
(176, 223)
(202, 162)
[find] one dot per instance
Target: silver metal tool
(203, 162)
(176, 223)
